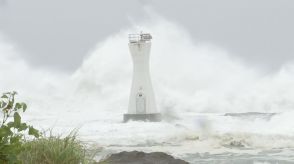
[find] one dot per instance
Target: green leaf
(4, 96)
(2, 133)
(22, 127)
(17, 106)
(3, 104)
(24, 106)
(34, 132)
(15, 139)
(10, 124)
(17, 119)
(5, 131)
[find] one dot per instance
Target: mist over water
(187, 75)
(195, 84)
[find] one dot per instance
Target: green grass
(56, 150)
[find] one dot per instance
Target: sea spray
(195, 84)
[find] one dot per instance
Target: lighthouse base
(151, 117)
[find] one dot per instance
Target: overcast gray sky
(59, 33)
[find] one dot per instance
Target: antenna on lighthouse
(142, 104)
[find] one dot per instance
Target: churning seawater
(199, 87)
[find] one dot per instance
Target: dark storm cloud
(59, 33)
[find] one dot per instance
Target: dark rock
(252, 115)
(136, 157)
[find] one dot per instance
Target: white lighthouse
(142, 105)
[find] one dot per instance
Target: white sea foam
(195, 84)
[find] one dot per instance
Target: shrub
(41, 149)
(56, 150)
(12, 129)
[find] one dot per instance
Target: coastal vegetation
(21, 143)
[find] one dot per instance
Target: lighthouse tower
(142, 105)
